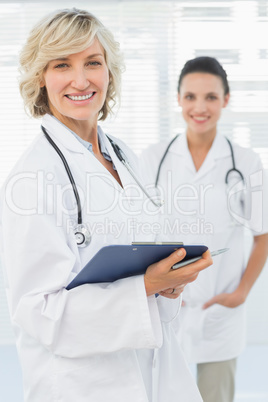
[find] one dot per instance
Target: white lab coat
(198, 210)
(97, 342)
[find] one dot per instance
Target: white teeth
(83, 97)
(200, 118)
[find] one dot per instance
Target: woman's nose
(80, 79)
(200, 106)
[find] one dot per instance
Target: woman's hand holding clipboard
(161, 279)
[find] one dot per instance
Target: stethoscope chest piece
(82, 235)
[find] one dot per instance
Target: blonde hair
(60, 34)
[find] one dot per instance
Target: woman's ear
(42, 81)
(226, 100)
(179, 99)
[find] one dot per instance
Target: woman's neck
(88, 131)
(85, 129)
(199, 146)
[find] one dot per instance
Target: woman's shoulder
(245, 153)
(34, 158)
(156, 150)
(247, 160)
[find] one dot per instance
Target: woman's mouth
(80, 97)
(200, 119)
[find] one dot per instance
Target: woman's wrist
(241, 293)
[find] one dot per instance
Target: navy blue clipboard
(115, 262)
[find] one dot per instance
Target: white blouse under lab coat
(201, 208)
(97, 342)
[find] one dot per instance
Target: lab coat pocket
(220, 321)
(110, 377)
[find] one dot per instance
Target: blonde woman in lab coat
(96, 342)
(211, 198)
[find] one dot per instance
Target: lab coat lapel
(66, 140)
(208, 164)
(219, 149)
(125, 176)
(180, 148)
(62, 135)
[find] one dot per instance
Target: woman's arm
(254, 267)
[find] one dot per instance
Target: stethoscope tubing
(156, 204)
(69, 173)
(233, 169)
(163, 158)
(120, 155)
(122, 159)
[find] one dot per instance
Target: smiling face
(202, 98)
(77, 85)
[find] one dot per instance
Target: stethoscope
(233, 169)
(81, 233)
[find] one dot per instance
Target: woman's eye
(189, 97)
(94, 63)
(212, 97)
(61, 65)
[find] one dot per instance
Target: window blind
(157, 38)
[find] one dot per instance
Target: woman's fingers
(191, 271)
(159, 277)
(172, 293)
(205, 261)
(173, 258)
(155, 277)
